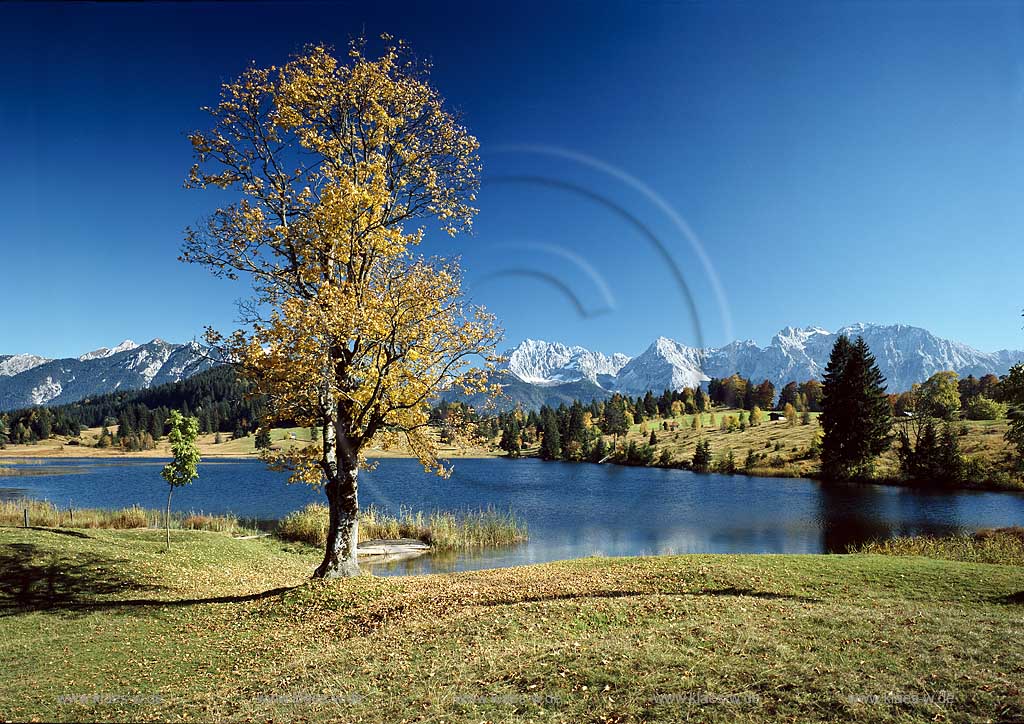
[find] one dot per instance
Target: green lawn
(279, 436)
(105, 625)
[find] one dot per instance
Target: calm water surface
(572, 510)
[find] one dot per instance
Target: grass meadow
(104, 624)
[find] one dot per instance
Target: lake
(572, 510)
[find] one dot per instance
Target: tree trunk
(343, 527)
(167, 518)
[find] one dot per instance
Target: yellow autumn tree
(337, 168)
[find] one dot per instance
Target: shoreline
(76, 452)
(770, 473)
(73, 452)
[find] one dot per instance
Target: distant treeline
(948, 391)
(216, 397)
(574, 431)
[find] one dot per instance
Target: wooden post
(26, 517)
(71, 512)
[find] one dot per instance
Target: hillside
(27, 380)
(215, 396)
(783, 449)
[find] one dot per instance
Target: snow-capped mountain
(905, 355)
(665, 364)
(14, 364)
(538, 372)
(551, 363)
(793, 354)
(910, 354)
(127, 366)
(108, 351)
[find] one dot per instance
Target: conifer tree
(262, 438)
(614, 421)
(650, 406)
(156, 427)
(856, 416)
(551, 443)
(510, 436)
(577, 438)
(728, 463)
(702, 457)
(45, 424)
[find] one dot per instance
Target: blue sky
(832, 162)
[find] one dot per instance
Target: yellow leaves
(382, 351)
(303, 463)
(333, 160)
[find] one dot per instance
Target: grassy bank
(784, 450)
(84, 446)
(441, 530)
(221, 628)
(1003, 546)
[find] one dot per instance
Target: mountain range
(27, 379)
(537, 372)
(553, 373)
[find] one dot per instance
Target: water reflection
(851, 515)
(571, 510)
(11, 494)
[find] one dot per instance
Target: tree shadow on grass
(731, 591)
(32, 579)
(1011, 599)
(60, 531)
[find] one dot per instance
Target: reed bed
(44, 514)
(441, 530)
(1003, 546)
